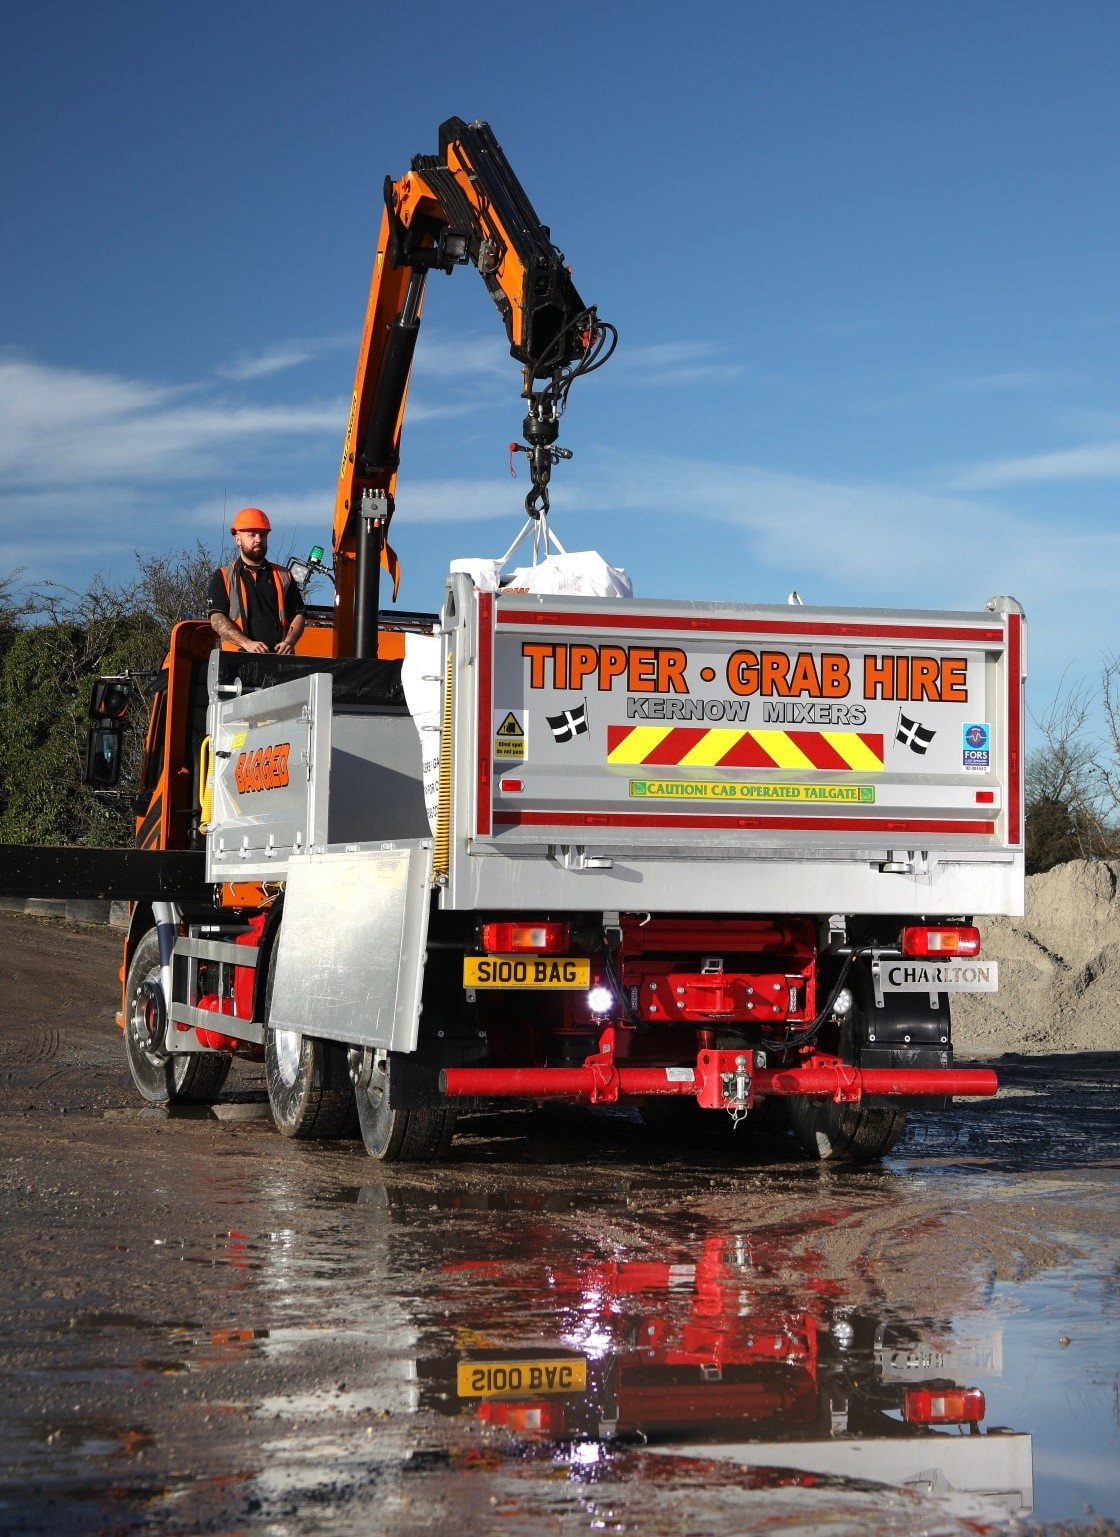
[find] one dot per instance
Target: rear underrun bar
(720, 1080)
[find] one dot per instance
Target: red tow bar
(719, 1080)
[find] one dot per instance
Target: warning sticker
(509, 736)
(859, 752)
(716, 790)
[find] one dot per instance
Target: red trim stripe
(822, 823)
(1014, 729)
(484, 716)
(713, 626)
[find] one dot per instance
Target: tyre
(853, 1132)
(304, 1076)
(400, 1135)
(308, 1080)
(163, 1077)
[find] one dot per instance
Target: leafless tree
(15, 605)
(1074, 776)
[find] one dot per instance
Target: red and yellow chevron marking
(731, 747)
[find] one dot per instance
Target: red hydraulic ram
(719, 1079)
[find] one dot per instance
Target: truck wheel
(309, 1089)
(413, 1135)
(855, 1133)
(299, 1071)
(163, 1077)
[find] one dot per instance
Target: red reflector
(943, 1406)
(510, 786)
(962, 939)
(539, 938)
(985, 797)
(528, 1419)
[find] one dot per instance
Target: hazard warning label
(509, 735)
(722, 790)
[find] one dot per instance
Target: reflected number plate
(520, 1379)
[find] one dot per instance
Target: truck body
(686, 855)
(691, 856)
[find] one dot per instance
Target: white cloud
(1089, 461)
(679, 362)
(472, 361)
(67, 426)
(279, 357)
(456, 501)
(444, 356)
(846, 542)
(95, 466)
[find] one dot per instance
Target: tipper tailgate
(714, 732)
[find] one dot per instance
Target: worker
(254, 605)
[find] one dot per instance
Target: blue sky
(861, 257)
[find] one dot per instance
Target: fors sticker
(976, 747)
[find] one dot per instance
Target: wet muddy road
(574, 1325)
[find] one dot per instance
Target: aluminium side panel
(271, 752)
(349, 959)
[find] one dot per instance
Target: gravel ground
(204, 1327)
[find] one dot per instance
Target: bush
(53, 643)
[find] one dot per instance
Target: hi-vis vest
(239, 598)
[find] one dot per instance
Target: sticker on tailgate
(849, 752)
(543, 971)
(509, 735)
(724, 790)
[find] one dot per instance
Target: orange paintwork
(500, 255)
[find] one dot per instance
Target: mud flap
(351, 949)
(907, 1033)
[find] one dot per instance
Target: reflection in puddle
(739, 1347)
(824, 1343)
(769, 1350)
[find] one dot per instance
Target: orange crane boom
(462, 206)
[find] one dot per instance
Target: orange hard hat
(250, 520)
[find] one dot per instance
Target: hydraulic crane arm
(464, 205)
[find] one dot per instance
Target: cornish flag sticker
(912, 734)
(569, 723)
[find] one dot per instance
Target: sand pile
(1059, 969)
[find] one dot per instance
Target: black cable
(616, 987)
(826, 1009)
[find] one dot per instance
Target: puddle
(612, 1343)
(1060, 1374)
(781, 1346)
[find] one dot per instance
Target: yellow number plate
(556, 971)
(520, 1379)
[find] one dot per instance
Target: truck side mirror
(109, 699)
(103, 755)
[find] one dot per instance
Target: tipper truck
(692, 857)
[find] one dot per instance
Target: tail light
(943, 1406)
(534, 938)
(527, 1419)
(960, 939)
